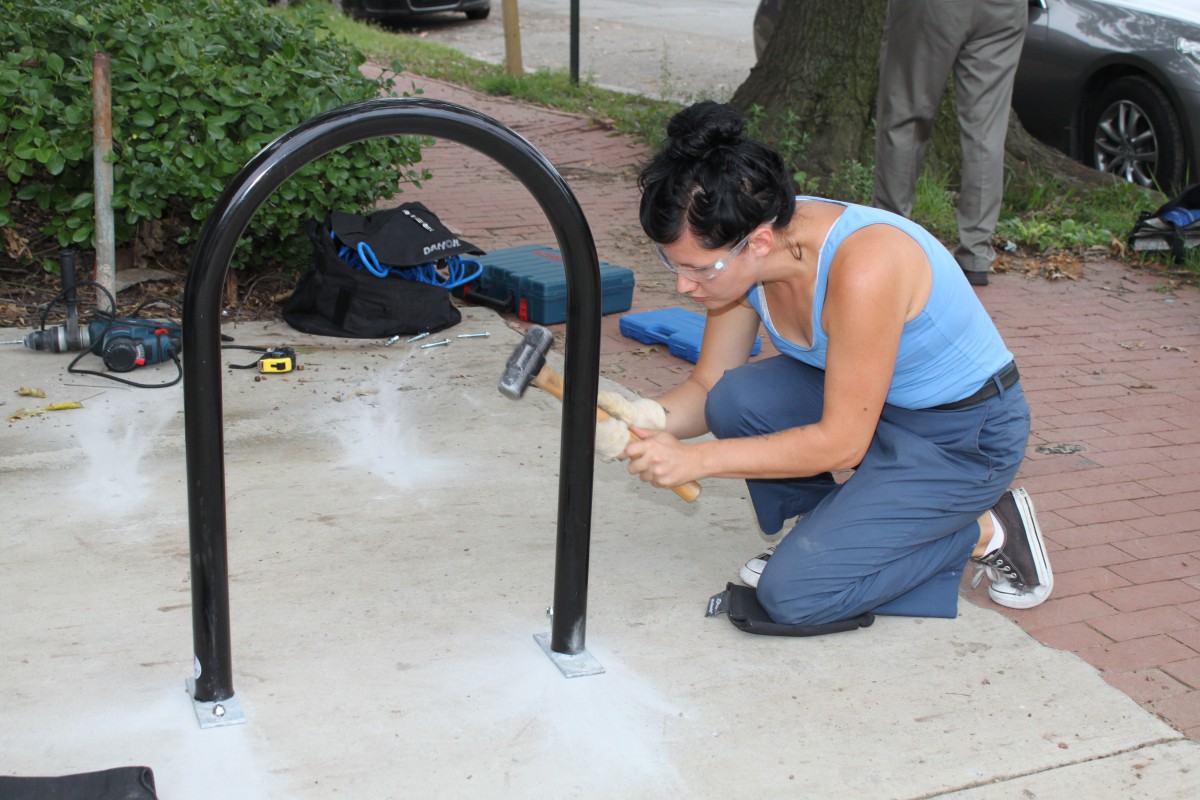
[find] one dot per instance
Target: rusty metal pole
(106, 247)
(512, 39)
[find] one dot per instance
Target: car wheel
(479, 13)
(1135, 134)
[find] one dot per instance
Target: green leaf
(143, 119)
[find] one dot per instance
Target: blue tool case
(531, 282)
(680, 330)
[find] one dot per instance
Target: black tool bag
(1175, 226)
(403, 236)
(336, 299)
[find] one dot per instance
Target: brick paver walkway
(1108, 361)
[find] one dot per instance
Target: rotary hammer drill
(123, 343)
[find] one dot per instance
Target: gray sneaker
(1019, 569)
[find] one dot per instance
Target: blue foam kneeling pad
(680, 330)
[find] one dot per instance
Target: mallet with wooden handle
(527, 365)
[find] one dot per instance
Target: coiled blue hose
(451, 272)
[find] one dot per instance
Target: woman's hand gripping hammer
(527, 365)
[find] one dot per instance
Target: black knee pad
(742, 606)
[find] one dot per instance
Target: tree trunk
(812, 92)
(812, 95)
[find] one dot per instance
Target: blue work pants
(895, 537)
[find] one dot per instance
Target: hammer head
(525, 362)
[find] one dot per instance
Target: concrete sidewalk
(391, 528)
(392, 525)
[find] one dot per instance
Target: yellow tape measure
(276, 360)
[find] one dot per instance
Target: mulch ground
(31, 297)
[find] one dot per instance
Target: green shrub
(198, 87)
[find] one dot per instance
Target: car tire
(479, 13)
(1133, 132)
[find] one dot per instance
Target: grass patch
(934, 207)
(1049, 215)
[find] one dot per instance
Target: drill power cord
(272, 359)
(110, 319)
(61, 297)
(155, 326)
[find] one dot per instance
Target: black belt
(1005, 377)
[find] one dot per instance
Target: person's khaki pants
(980, 40)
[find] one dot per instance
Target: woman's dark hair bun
(702, 130)
(711, 179)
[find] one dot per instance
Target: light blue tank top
(946, 352)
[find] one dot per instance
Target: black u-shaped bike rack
(212, 686)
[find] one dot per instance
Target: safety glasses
(706, 274)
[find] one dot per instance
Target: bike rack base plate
(217, 714)
(578, 665)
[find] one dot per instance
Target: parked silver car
(409, 9)
(1112, 83)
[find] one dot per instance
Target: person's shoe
(752, 570)
(1019, 569)
(976, 277)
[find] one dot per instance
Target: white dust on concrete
(511, 714)
(157, 729)
(379, 426)
(118, 439)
